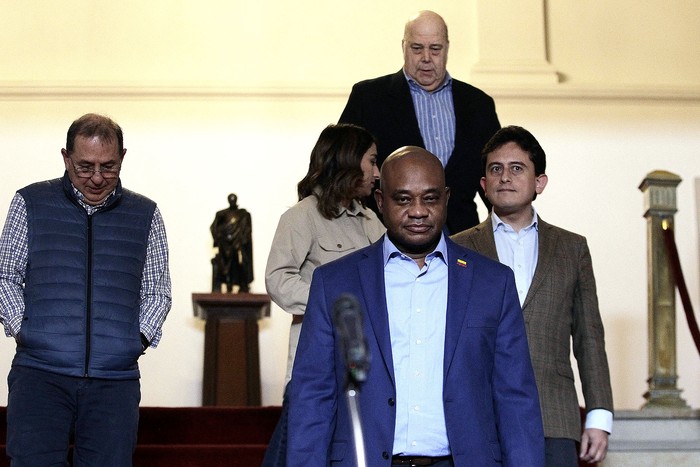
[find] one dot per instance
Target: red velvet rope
(677, 272)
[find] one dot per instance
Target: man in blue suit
(450, 381)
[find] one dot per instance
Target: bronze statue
(233, 264)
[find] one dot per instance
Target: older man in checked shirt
(84, 290)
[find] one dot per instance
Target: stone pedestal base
(654, 437)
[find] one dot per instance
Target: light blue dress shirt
(435, 112)
(518, 250)
(417, 304)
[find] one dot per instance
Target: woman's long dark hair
(334, 168)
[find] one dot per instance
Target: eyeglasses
(107, 173)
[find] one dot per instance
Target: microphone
(347, 318)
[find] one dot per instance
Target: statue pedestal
(231, 355)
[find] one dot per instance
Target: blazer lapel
(484, 241)
(406, 121)
(459, 284)
(547, 240)
(371, 273)
(461, 107)
(465, 114)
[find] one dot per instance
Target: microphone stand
(352, 394)
(347, 318)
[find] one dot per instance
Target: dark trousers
(276, 453)
(560, 452)
(47, 411)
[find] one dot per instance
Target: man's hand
(594, 445)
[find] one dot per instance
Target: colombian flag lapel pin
(461, 262)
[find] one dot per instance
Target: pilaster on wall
(512, 55)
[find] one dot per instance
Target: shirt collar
(89, 207)
(390, 250)
(354, 209)
(414, 86)
(496, 221)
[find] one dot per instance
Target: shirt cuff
(13, 326)
(601, 419)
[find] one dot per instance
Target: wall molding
(155, 91)
(44, 91)
(567, 92)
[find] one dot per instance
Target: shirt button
(419, 342)
(385, 455)
(417, 408)
(390, 402)
(339, 245)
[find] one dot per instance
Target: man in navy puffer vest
(84, 290)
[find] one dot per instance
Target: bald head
(425, 20)
(404, 159)
(413, 200)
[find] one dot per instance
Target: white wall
(218, 97)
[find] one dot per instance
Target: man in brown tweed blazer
(555, 282)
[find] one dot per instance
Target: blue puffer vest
(82, 282)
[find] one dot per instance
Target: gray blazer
(561, 305)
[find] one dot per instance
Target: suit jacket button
(385, 455)
(390, 402)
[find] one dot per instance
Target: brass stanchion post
(659, 188)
